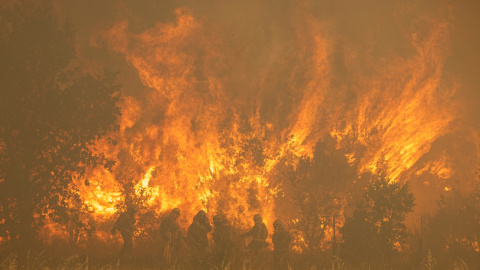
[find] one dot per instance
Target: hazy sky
(257, 22)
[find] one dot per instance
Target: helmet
(131, 209)
(257, 217)
(277, 223)
(200, 216)
(176, 211)
(219, 217)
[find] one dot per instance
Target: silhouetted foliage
(376, 231)
(453, 232)
(50, 115)
(319, 182)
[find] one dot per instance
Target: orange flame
(187, 142)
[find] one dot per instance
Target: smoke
(206, 83)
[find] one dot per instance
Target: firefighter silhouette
(125, 225)
(197, 234)
(258, 233)
(171, 235)
(222, 239)
(281, 243)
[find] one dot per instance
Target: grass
(239, 261)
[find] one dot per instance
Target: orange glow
(403, 112)
(190, 143)
(188, 168)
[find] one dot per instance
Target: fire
(186, 141)
(101, 194)
(143, 188)
(441, 168)
(205, 155)
(409, 112)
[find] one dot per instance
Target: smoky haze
(277, 108)
(264, 55)
(259, 45)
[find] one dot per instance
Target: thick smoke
(394, 83)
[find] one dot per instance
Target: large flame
(187, 140)
(406, 109)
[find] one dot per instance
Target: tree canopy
(50, 117)
(377, 230)
(319, 183)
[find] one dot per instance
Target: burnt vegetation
(51, 115)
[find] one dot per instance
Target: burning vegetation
(345, 143)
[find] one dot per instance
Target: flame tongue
(189, 142)
(404, 110)
(205, 153)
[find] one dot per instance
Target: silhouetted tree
(319, 182)
(453, 232)
(50, 116)
(376, 231)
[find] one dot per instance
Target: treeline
(374, 234)
(50, 115)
